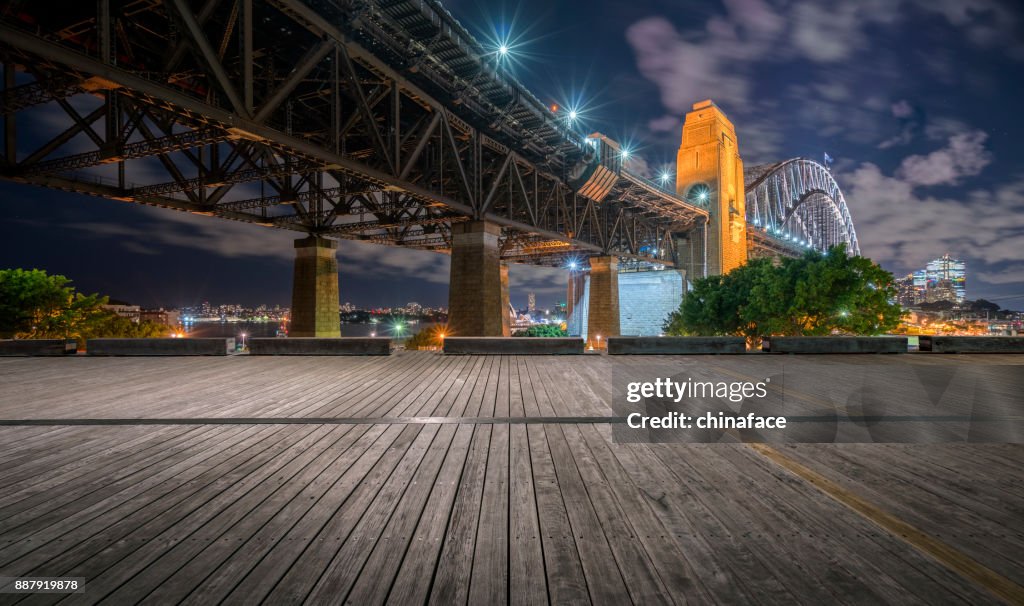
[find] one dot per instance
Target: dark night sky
(917, 100)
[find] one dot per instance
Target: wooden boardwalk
(330, 480)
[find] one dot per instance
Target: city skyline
(920, 125)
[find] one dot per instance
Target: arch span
(798, 200)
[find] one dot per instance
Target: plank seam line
(530, 420)
(939, 551)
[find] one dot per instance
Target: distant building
(531, 302)
(948, 269)
(167, 317)
(908, 294)
(124, 309)
(943, 290)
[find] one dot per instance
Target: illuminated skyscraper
(531, 302)
(946, 268)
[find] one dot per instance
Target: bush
(428, 338)
(542, 330)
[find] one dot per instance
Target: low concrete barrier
(828, 345)
(159, 347)
(944, 344)
(676, 345)
(514, 345)
(36, 347)
(317, 346)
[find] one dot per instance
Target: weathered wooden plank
(455, 565)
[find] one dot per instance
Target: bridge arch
(799, 200)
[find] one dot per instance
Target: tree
(816, 294)
(542, 330)
(36, 305)
(983, 305)
(28, 297)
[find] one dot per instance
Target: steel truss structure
(375, 120)
(795, 205)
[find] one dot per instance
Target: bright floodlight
(503, 49)
(663, 177)
(703, 196)
(572, 114)
(625, 153)
(572, 265)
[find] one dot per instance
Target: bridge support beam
(475, 287)
(315, 289)
(603, 304)
(506, 304)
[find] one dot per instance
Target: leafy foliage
(28, 297)
(816, 294)
(542, 330)
(36, 305)
(431, 337)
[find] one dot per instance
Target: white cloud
(664, 124)
(964, 156)
(162, 229)
(902, 109)
(900, 225)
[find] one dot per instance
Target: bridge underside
(275, 113)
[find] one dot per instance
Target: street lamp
(243, 335)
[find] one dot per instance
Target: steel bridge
(383, 121)
(795, 205)
(377, 121)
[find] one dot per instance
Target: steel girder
(798, 201)
(375, 121)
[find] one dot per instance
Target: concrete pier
(513, 346)
(603, 306)
(160, 347)
(36, 347)
(835, 345)
(315, 289)
(474, 290)
(676, 345)
(313, 346)
(952, 344)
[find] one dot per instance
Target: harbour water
(270, 329)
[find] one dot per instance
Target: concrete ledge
(838, 345)
(943, 344)
(514, 345)
(676, 345)
(159, 347)
(320, 346)
(36, 347)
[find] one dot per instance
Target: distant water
(269, 329)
